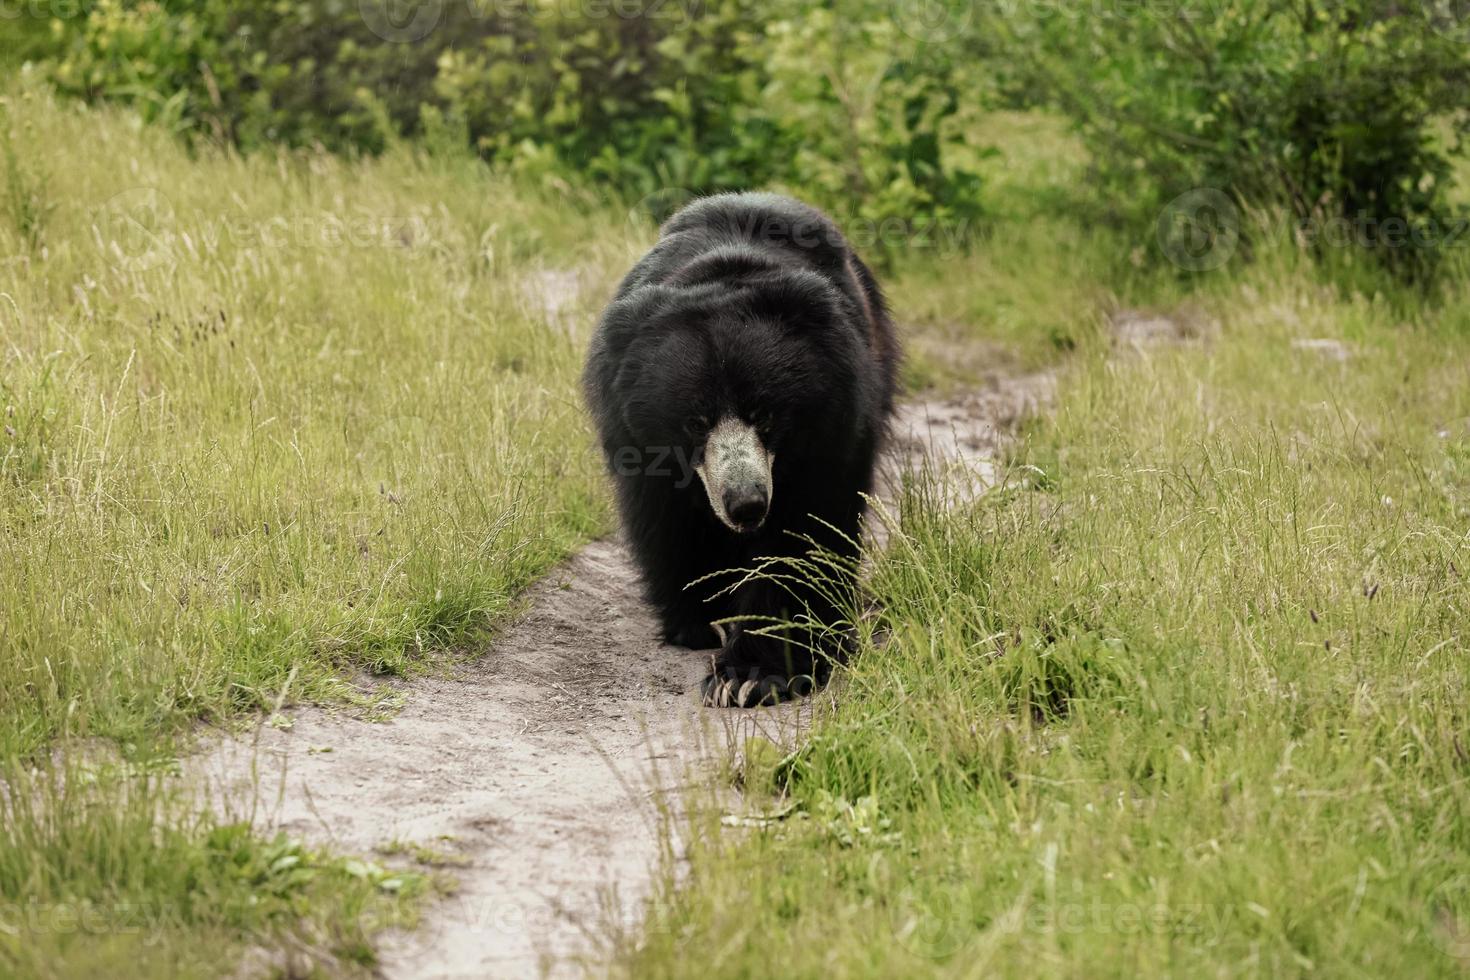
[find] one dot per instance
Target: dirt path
(541, 764)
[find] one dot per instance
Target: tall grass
(270, 414)
(268, 423)
(113, 871)
(1186, 695)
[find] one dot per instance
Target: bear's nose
(746, 508)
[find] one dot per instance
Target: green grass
(1186, 696)
(268, 415)
(268, 424)
(1037, 284)
(112, 871)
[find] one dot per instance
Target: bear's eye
(696, 425)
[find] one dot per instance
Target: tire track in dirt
(542, 763)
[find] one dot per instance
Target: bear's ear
(799, 301)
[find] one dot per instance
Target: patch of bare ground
(965, 431)
(542, 765)
(1140, 329)
(1327, 348)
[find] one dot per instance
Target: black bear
(741, 382)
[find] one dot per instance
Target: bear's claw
(731, 692)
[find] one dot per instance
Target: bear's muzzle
(736, 472)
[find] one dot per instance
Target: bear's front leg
(781, 663)
(674, 558)
(685, 613)
(686, 628)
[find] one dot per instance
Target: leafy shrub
(637, 96)
(252, 74)
(1329, 109)
(644, 100)
(861, 111)
(26, 36)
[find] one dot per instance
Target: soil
(539, 768)
(1138, 329)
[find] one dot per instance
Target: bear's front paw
(728, 689)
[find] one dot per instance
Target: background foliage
(718, 95)
(288, 385)
(1347, 110)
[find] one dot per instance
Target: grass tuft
(1185, 694)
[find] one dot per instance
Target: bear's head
(749, 390)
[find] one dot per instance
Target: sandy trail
(540, 764)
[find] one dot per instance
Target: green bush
(27, 36)
(258, 73)
(1332, 110)
(863, 114)
(639, 96)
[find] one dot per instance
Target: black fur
(750, 305)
